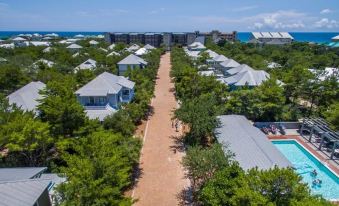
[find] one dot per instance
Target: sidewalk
(162, 175)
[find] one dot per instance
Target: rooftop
(105, 83)
(20, 173)
(26, 97)
(251, 147)
(133, 59)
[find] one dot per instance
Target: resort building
(217, 36)
(154, 39)
(276, 38)
(168, 39)
(103, 95)
(250, 145)
(121, 38)
(136, 38)
(88, 64)
(27, 96)
(131, 61)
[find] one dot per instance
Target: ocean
(316, 37)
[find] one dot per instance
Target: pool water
(305, 163)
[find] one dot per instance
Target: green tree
(27, 139)
(120, 122)
(203, 163)
(60, 107)
(332, 115)
(100, 170)
(200, 114)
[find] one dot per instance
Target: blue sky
(173, 15)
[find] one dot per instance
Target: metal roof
(88, 64)
(251, 147)
(230, 63)
(20, 173)
(250, 78)
(22, 193)
(100, 113)
(271, 35)
(220, 58)
(132, 59)
(148, 46)
(105, 83)
(239, 69)
(211, 53)
(26, 97)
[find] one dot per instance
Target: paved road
(162, 177)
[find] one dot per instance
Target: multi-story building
(154, 39)
(136, 38)
(216, 36)
(190, 38)
(179, 38)
(168, 38)
(121, 38)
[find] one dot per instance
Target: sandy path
(162, 176)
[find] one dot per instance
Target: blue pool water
(305, 163)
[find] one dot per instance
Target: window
(91, 100)
(125, 92)
(102, 100)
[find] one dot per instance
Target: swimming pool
(305, 163)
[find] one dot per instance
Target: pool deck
(332, 164)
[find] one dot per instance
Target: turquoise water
(305, 163)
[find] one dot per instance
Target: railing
(96, 107)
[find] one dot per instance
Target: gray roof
(20, 173)
(211, 53)
(269, 35)
(148, 46)
(100, 113)
(220, 58)
(251, 147)
(26, 97)
(239, 69)
(250, 78)
(133, 59)
(22, 193)
(230, 63)
(105, 83)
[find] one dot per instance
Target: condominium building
(136, 38)
(217, 36)
(121, 38)
(168, 39)
(154, 39)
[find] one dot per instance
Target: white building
(276, 38)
